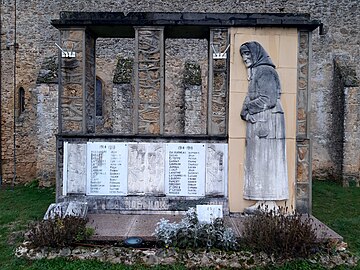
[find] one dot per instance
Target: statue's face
(246, 56)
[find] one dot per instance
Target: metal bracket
(65, 53)
(219, 55)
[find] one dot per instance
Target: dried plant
(59, 231)
(281, 234)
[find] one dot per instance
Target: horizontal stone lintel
(177, 24)
(73, 137)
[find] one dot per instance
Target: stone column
(303, 143)
(149, 80)
(76, 90)
(351, 159)
(348, 88)
(193, 98)
(218, 83)
(89, 83)
(77, 82)
(123, 97)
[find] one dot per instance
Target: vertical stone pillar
(218, 83)
(347, 85)
(77, 82)
(193, 98)
(149, 80)
(303, 144)
(90, 83)
(76, 90)
(123, 97)
(351, 158)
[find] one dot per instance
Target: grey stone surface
(216, 173)
(63, 209)
(346, 118)
(146, 169)
(74, 178)
(145, 204)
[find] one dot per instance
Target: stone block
(74, 177)
(63, 209)
(288, 80)
(288, 102)
(237, 127)
(289, 51)
(302, 172)
(146, 169)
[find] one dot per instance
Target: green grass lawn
(337, 207)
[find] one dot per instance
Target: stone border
(189, 258)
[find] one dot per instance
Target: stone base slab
(144, 204)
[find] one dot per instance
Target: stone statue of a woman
(266, 178)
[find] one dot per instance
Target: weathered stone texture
(36, 37)
(46, 127)
(351, 159)
(219, 84)
(194, 122)
(178, 52)
(71, 94)
(89, 84)
(303, 85)
(123, 108)
(149, 85)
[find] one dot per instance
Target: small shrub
(281, 234)
(59, 231)
(190, 233)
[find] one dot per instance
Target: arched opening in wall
(21, 98)
(186, 86)
(99, 98)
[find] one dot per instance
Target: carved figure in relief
(266, 178)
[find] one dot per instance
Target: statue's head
(253, 55)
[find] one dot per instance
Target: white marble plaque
(74, 173)
(208, 213)
(107, 168)
(146, 168)
(185, 169)
(216, 169)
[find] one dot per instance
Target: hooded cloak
(265, 164)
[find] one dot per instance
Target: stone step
(118, 227)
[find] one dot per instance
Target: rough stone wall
(178, 52)
(35, 38)
(111, 52)
(346, 84)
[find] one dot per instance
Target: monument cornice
(178, 24)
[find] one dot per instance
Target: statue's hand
(244, 113)
(250, 118)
